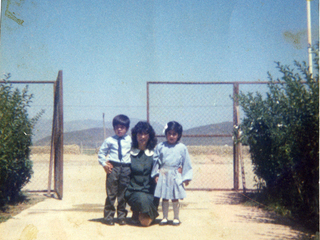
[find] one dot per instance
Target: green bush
(282, 130)
(15, 140)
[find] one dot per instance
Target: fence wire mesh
(206, 112)
(40, 150)
(191, 104)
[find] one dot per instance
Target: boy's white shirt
(112, 153)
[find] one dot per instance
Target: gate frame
(57, 139)
(56, 153)
(237, 146)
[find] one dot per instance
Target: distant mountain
(218, 128)
(43, 128)
(86, 132)
(82, 125)
(90, 138)
(93, 137)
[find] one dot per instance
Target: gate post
(58, 137)
(235, 148)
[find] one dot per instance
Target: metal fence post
(235, 148)
(58, 138)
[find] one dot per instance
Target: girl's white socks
(165, 209)
(176, 210)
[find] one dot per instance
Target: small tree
(15, 140)
(282, 130)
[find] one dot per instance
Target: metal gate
(210, 116)
(47, 160)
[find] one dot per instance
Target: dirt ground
(204, 214)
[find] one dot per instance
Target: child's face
(120, 130)
(172, 136)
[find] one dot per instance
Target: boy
(117, 167)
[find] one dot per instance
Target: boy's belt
(119, 164)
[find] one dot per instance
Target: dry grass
(193, 150)
(67, 149)
(215, 150)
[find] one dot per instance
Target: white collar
(135, 152)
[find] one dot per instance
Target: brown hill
(93, 137)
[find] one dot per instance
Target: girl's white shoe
(176, 222)
(163, 222)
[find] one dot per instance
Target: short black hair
(144, 127)
(122, 120)
(175, 126)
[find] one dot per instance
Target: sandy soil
(212, 167)
(204, 214)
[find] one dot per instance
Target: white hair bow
(165, 128)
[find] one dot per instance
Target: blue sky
(108, 50)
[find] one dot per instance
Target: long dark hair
(144, 127)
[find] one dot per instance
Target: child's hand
(156, 179)
(186, 182)
(180, 170)
(108, 168)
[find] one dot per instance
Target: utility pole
(309, 36)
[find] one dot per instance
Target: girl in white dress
(169, 158)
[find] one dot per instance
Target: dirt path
(204, 215)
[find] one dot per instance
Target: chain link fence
(207, 113)
(47, 138)
(205, 110)
(42, 100)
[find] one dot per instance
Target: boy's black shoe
(109, 222)
(135, 221)
(122, 222)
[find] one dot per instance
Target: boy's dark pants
(116, 184)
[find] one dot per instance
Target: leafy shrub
(282, 130)
(15, 140)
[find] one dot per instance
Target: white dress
(167, 159)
